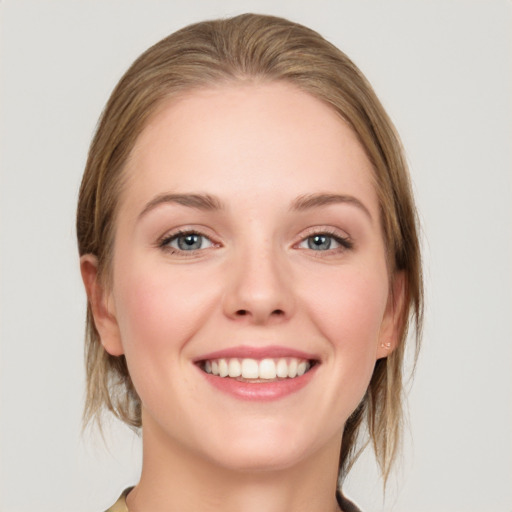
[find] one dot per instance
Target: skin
(257, 148)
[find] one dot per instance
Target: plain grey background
(443, 71)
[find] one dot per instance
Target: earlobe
(101, 306)
(389, 335)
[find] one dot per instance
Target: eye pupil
(319, 242)
(190, 241)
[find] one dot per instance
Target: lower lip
(260, 391)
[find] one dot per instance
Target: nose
(259, 288)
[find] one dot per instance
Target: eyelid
(341, 237)
(163, 241)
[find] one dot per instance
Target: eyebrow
(207, 202)
(203, 202)
(308, 201)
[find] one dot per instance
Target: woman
(249, 250)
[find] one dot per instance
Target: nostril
(246, 312)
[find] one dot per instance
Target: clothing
(345, 504)
(120, 504)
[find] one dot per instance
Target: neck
(176, 479)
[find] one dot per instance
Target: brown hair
(257, 48)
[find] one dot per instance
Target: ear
(393, 317)
(101, 306)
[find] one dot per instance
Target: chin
(263, 449)
(258, 461)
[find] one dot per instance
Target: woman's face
(248, 240)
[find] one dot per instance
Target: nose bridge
(259, 286)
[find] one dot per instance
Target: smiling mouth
(257, 370)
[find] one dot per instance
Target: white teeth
(264, 369)
(282, 368)
(223, 368)
(301, 369)
(292, 368)
(267, 369)
(250, 369)
(235, 368)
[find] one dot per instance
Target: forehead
(258, 138)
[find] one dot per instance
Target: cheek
(347, 305)
(158, 306)
(349, 308)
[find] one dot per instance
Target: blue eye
(324, 242)
(187, 242)
(320, 242)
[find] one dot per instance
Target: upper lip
(246, 351)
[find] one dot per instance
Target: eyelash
(345, 243)
(164, 243)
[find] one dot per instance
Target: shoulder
(120, 504)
